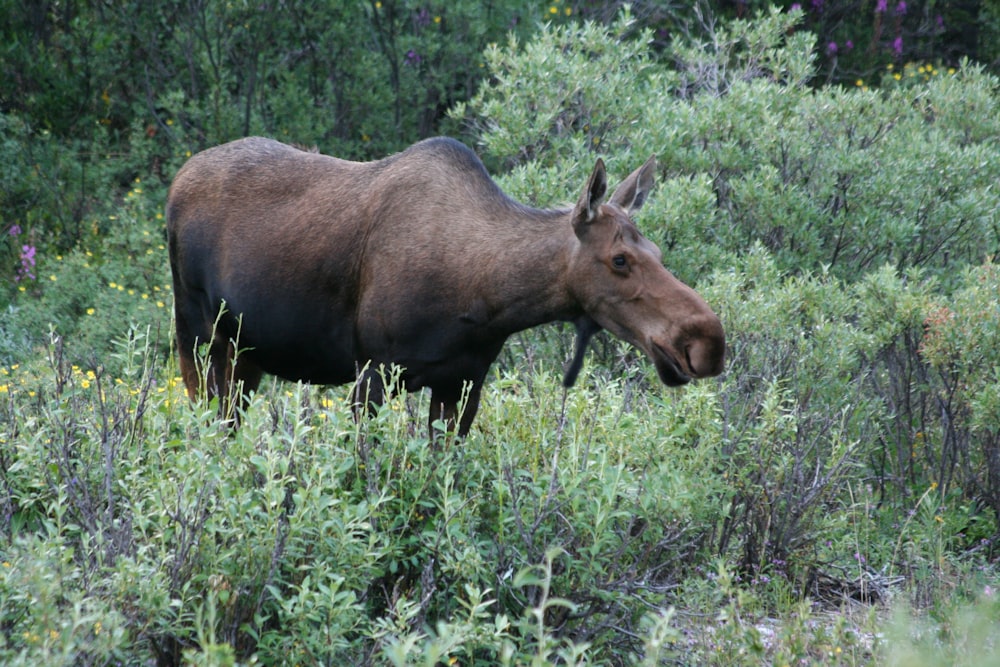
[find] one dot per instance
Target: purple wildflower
(901, 8)
(14, 230)
(412, 57)
(27, 269)
(897, 46)
(796, 5)
(831, 49)
(881, 6)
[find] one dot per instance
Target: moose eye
(619, 261)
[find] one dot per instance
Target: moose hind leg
(232, 378)
(187, 341)
(190, 373)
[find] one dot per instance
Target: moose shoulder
(320, 267)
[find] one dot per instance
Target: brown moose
(316, 267)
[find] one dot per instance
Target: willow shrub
(847, 179)
(134, 527)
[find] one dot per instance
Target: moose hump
(315, 267)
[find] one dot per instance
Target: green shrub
(90, 295)
(960, 345)
(820, 222)
(309, 537)
(826, 178)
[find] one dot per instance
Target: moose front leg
(453, 407)
(369, 393)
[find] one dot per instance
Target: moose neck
(529, 286)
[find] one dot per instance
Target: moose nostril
(705, 357)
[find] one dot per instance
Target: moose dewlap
(315, 267)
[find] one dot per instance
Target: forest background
(829, 181)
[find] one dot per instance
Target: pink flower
(27, 268)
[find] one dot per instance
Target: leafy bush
(960, 344)
(307, 536)
(751, 152)
(119, 276)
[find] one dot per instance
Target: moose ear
(632, 192)
(593, 194)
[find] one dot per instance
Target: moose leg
(231, 378)
(189, 372)
(445, 406)
(186, 342)
(369, 393)
(227, 375)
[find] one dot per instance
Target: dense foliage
(833, 498)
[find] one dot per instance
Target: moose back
(314, 268)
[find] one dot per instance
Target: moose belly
(438, 359)
(295, 345)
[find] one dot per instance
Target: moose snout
(705, 351)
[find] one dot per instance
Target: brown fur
(326, 267)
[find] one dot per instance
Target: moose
(318, 269)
